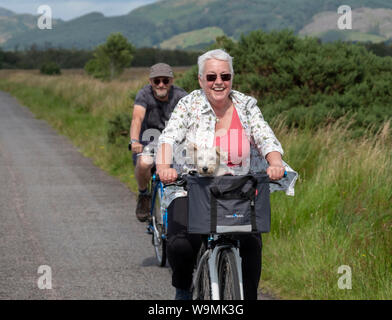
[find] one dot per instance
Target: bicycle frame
(158, 223)
(158, 188)
(212, 256)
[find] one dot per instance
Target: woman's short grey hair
(218, 54)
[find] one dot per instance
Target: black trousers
(182, 249)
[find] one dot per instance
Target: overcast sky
(67, 10)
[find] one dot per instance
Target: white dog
(209, 161)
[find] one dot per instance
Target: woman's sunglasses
(157, 81)
(213, 77)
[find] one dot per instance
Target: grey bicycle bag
(229, 204)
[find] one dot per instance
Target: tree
(111, 58)
(1, 58)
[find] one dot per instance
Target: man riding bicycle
(153, 106)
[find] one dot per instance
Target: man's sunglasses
(157, 81)
(213, 77)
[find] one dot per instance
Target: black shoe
(182, 294)
(143, 207)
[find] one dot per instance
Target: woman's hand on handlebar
(167, 175)
(276, 172)
(276, 169)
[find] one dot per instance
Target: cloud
(67, 10)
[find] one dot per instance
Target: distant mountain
(13, 25)
(193, 39)
(374, 25)
(87, 32)
(193, 23)
(6, 13)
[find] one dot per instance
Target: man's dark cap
(161, 70)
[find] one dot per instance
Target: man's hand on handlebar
(137, 147)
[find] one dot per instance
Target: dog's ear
(218, 153)
(221, 154)
(192, 146)
(191, 152)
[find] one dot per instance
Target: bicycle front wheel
(229, 282)
(158, 236)
(202, 286)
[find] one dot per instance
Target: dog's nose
(205, 169)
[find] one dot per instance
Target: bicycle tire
(202, 287)
(229, 284)
(158, 240)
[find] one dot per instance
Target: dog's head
(206, 160)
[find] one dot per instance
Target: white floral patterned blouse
(193, 121)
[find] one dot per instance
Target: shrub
(50, 68)
(309, 82)
(118, 127)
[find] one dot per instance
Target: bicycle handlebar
(180, 181)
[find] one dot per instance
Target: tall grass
(341, 213)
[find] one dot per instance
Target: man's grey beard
(161, 95)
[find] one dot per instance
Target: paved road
(59, 210)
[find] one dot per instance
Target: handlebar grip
(179, 181)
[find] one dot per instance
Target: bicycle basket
(228, 204)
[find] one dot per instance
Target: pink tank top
(234, 142)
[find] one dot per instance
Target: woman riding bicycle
(216, 115)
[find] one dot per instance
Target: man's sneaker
(143, 207)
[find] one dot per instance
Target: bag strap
(234, 186)
(250, 193)
(253, 216)
(214, 213)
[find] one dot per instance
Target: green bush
(309, 82)
(118, 127)
(50, 68)
(96, 68)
